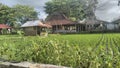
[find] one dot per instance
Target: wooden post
(82, 27)
(77, 28)
(86, 27)
(114, 27)
(56, 28)
(36, 30)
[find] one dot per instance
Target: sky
(107, 10)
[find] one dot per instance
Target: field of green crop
(75, 50)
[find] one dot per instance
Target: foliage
(24, 13)
(76, 51)
(78, 9)
(20, 32)
(6, 14)
(90, 7)
(4, 31)
(70, 8)
(15, 14)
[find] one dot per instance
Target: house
(3, 26)
(93, 25)
(61, 24)
(34, 27)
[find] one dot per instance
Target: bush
(4, 31)
(20, 32)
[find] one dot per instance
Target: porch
(74, 28)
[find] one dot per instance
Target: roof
(82, 21)
(35, 23)
(92, 21)
(60, 22)
(4, 26)
(58, 19)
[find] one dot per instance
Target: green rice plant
(76, 51)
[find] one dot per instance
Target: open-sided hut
(93, 25)
(34, 27)
(61, 24)
(111, 26)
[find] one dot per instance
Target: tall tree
(70, 8)
(18, 13)
(77, 9)
(6, 14)
(24, 13)
(90, 8)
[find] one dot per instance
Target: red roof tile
(4, 26)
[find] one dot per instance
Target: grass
(74, 50)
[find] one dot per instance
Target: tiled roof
(4, 26)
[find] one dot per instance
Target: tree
(6, 14)
(18, 13)
(78, 9)
(70, 8)
(24, 13)
(90, 8)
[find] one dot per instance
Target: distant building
(93, 25)
(61, 24)
(3, 26)
(111, 26)
(34, 27)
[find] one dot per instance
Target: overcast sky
(107, 10)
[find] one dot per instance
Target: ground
(72, 50)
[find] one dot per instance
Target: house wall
(73, 28)
(111, 26)
(30, 31)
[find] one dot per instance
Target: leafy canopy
(24, 13)
(17, 13)
(77, 9)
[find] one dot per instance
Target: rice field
(75, 50)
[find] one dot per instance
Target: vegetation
(77, 51)
(6, 14)
(73, 9)
(15, 14)
(24, 13)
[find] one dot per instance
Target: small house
(34, 27)
(111, 26)
(6, 27)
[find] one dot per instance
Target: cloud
(108, 10)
